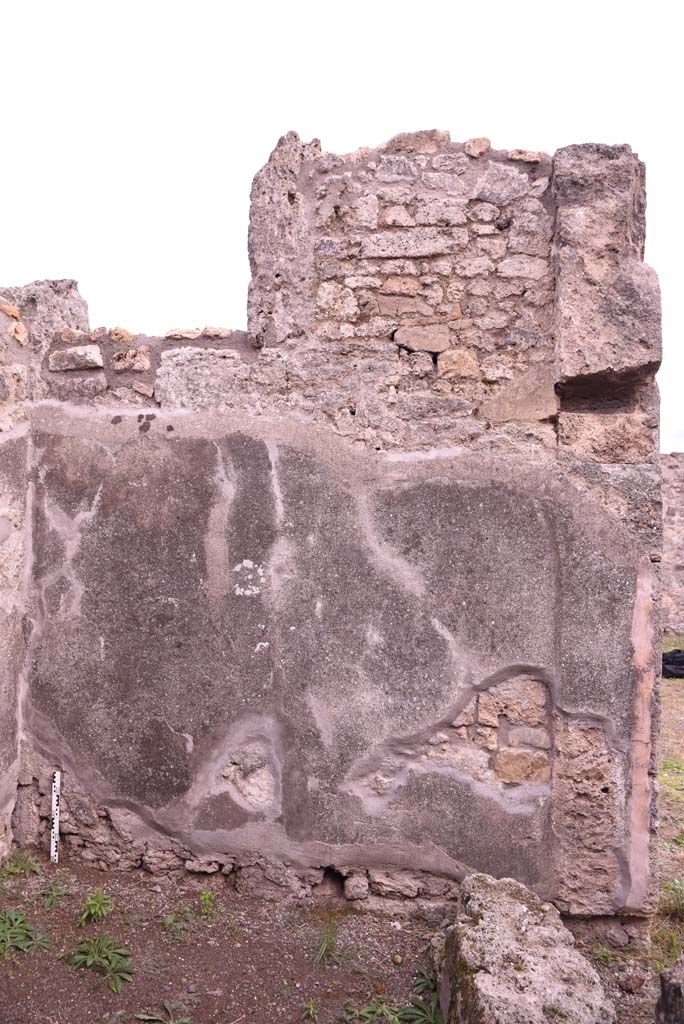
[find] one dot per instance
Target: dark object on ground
(670, 1005)
(673, 664)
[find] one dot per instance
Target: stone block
(513, 765)
(420, 241)
(401, 286)
(458, 364)
(528, 397)
(394, 883)
(523, 735)
(477, 147)
(77, 357)
(522, 701)
(434, 338)
(137, 359)
(508, 959)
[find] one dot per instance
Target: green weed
(603, 953)
(423, 1009)
(328, 947)
(103, 955)
(17, 935)
(95, 908)
(207, 901)
(19, 863)
(310, 1011)
(52, 895)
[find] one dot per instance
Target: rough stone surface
(670, 1005)
(371, 586)
(79, 357)
(508, 959)
(673, 541)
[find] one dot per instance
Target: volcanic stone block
(78, 357)
(509, 960)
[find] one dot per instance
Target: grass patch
(673, 642)
(671, 777)
(667, 944)
(672, 899)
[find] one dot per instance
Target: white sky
(131, 130)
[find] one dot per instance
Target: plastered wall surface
(673, 541)
(373, 586)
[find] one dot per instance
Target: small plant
(424, 981)
(52, 895)
(328, 947)
(178, 922)
(19, 863)
(169, 1016)
(602, 953)
(378, 1010)
(95, 908)
(310, 1011)
(103, 955)
(17, 935)
(420, 1012)
(207, 901)
(424, 1007)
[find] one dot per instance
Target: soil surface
(223, 958)
(239, 960)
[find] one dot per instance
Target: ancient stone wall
(673, 542)
(372, 587)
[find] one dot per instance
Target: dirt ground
(215, 957)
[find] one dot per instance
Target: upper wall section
(421, 295)
(467, 288)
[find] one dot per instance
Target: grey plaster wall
(372, 588)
